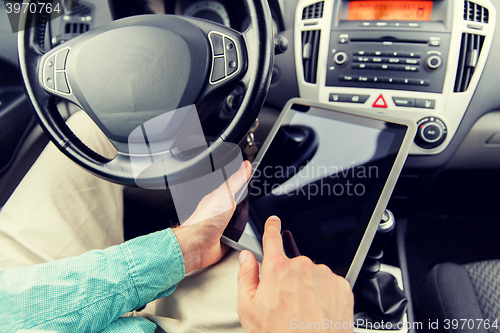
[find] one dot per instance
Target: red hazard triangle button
(380, 102)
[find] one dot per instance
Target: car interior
(431, 62)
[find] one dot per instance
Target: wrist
(189, 248)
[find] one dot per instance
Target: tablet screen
(323, 174)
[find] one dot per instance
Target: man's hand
(291, 292)
(199, 237)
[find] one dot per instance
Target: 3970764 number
(32, 8)
(471, 324)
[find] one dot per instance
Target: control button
(411, 54)
(373, 79)
(425, 103)
(431, 132)
(361, 59)
(346, 77)
(433, 61)
(363, 66)
(380, 102)
(385, 67)
(379, 54)
(365, 24)
(61, 83)
(339, 97)
(414, 25)
(343, 39)
(360, 99)
(412, 61)
(217, 44)
(376, 59)
(231, 56)
(394, 60)
(362, 79)
(404, 102)
(48, 72)
(381, 24)
(435, 41)
(360, 53)
(219, 69)
(418, 82)
(61, 59)
(340, 58)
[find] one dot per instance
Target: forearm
(87, 293)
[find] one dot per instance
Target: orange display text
(384, 10)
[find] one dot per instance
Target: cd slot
(388, 41)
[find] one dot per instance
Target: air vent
(313, 11)
(310, 51)
(475, 13)
(76, 28)
(470, 49)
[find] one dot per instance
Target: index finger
(272, 240)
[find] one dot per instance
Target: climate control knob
(340, 58)
(431, 132)
(433, 61)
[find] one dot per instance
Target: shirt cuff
(155, 264)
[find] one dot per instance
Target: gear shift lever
(377, 294)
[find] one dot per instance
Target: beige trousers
(60, 210)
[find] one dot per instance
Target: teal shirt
(89, 293)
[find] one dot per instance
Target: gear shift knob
(384, 233)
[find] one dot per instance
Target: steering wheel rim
(256, 77)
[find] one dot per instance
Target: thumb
(248, 277)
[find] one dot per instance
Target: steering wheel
(133, 70)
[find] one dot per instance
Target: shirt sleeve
(90, 292)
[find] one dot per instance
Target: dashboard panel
(423, 68)
(450, 26)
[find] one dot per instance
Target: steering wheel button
(61, 83)
(61, 59)
(217, 44)
(231, 56)
(219, 69)
(48, 73)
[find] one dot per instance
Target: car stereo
(389, 45)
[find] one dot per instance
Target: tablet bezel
(385, 195)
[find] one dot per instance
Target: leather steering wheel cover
(118, 170)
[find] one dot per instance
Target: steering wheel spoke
(53, 73)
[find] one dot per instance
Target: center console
(419, 60)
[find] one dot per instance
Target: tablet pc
(328, 173)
